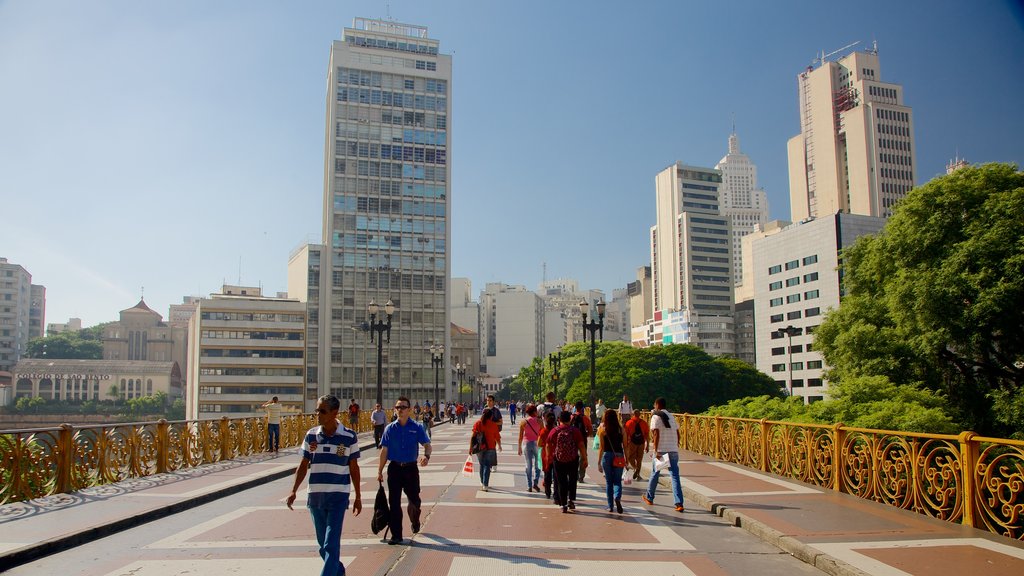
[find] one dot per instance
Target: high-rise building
(742, 202)
(22, 313)
(691, 257)
(387, 197)
(512, 328)
(855, 151)
(304, 286)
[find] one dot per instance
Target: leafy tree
(66, 345)
(790, 408)
(935, 297)
(876, 402)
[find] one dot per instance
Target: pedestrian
(625, 408)
(612, 459)
(547, 453)
(399, 449)
(512, 413)
(353, 415)
(495, 411)
(428, 419)
(636, 443)
(332, 451)
(486, 441)
(599, 412)
(665, 439)
(580, 420)
(549, 407)
(379, 418)
(273, 408)
(570, 454)
(529, 432)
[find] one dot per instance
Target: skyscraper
(385, 207)
(742, 202)
(855, 151)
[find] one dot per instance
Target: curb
(33, 552)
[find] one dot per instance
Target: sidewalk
(502, 531)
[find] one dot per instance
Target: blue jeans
(273, 436)
(532, 470)
(328, 512)
(612, 478)
(673, 468)
(484, 458)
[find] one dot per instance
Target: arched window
(24, 388)
(149, 387)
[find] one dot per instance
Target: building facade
(304, 286)
(855, 151)
(796, 281)
(22, 314)
(513, 328)
(72, 325)
(243, 350)
(141, 334)
(742, 201)
(80, 380)
(387, 197)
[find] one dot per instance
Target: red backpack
(566, 447)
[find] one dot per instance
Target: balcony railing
(45, 461)
(967, 479)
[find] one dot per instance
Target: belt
(413, 463)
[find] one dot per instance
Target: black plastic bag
(381, 512)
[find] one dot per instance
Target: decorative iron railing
(44, 461)
(967, 479)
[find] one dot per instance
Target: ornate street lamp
(593, 328)
(383, 329)
(790, 331)
(437, 360)
(555, 360)
(460, 371)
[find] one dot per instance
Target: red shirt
(631, 425)
(492, 434)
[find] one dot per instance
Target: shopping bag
(467, 469)
(661, 463)
(628, 480)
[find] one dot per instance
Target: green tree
(935, 297)
(876, 402)
(81, 345)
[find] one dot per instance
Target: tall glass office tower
(386, 206)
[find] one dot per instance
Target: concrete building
(513, 328)
(855, 151)
(796, 281)
(691, 255)
(745, 290)
(386, 207)
(244, 349)
(78, 380)
(465, 356)
(304, 286)
(466, 313)
(742, 201)
(641, 299)
(746, 343)
(22, 314)
(141, 334)
(72, 325)
(181, 314)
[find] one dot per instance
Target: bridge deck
(236, 521)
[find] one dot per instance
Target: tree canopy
(85, 344)
(690, 379)
(935, 298)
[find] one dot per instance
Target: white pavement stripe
(472, 566)
(847, 551)
(247, 566)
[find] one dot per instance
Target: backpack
(637, 437)
(548, 408)
(566, 448)
(578, 423)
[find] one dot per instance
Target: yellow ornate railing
(45, 461)
(967, 479)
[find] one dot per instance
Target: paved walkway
(236, 522)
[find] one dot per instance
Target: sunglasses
(401, 407)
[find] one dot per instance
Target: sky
(166, 148)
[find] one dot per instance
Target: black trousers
(566, 476)
(403, 479)
(378, 431)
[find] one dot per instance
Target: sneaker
(564, 510)
(647, 500)
(679, 508)
(618, 506)
(529, 488)
(484, 488)
(394, 541)
(572, 505)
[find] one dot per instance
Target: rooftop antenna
(824, 57)
(239, 270)
(544, 273)
(143, 290)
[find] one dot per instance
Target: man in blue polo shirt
(330, 453)
(400, 445)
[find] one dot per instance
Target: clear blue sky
(160, 144)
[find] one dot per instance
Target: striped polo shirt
(329, 457)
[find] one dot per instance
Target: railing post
(225, 438)
(717, 448)
(686, 431)
(764, 444)
(969, 454)
(65, 458)
(163, 446)
(838, 455)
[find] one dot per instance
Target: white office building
(742, 201)
(512, 328)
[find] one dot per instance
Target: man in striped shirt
(330, 453)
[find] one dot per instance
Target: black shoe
(572, 505)
(416, 528)
(394, 541)
(564, 510)
(618, 506)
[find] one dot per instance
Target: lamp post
(555, 360)
(790, 331)
(437, 359)
(460, 371)
(593, 328)
(383, 329)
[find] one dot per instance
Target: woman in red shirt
(547, 454)
(486, 439)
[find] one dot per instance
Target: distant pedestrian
(494, 410)
(332, 451)
(612, 459)
(547, 453)
(570, 454)
(273, 409)
(529, 433)
(379, 418)
(486, 441)
(399, 448)
(637, 443)
(665, 439)
(512, 413)
(625, 408)
(599, 410)
(353, 415)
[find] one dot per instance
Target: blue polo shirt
(403, 442)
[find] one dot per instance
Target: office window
(810, 260)
(793, 315)
(797, 383)
(810, 277)
(812, 311)
(810, 329)
(793, 281)
(775, 269)
(778, 351)
(810, 294)
(814, 381)
(778, 367)
(776, 302)
(814, 364)
(798, 365)
(796, 349)
(792, 298)
(792, 264)
(776, 318)
(775, 285)
(776, 335)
